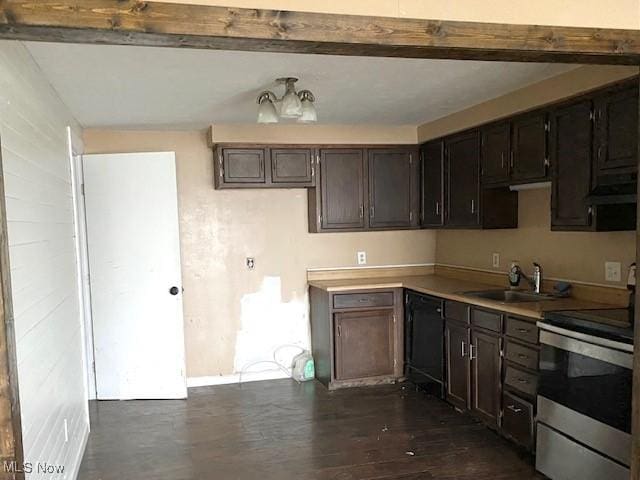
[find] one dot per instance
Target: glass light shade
(309, 114)
(291, 106)
(267, 112)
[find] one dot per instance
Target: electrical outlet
(612, 271)
(496, 260)
(362, 258)
(251, 263)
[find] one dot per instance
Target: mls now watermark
(34, 467)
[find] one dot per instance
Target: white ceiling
(122, 86)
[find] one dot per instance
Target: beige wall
(567, 255)
(574, 255)
(547, 91)
(232, 315)
(586, 13)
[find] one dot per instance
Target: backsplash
(578, 256)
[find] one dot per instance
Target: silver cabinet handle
(523, 380)
(437, 207)
(372, 211)
(464, 353)
(471, 357)
(361, 211)
(473, 206)
(514, 409)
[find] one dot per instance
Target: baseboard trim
(80, 455)
(194, 382)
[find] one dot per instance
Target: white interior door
(136, 288)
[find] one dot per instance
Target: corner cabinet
(362, 189)
(452, 195)
(357, 336)
(254, 166)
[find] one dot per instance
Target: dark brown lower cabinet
(492, 368)
(485, 359)
(364, 344)
(457, 352)
(356, 337)
(517, 420)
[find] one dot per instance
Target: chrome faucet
(516, 273)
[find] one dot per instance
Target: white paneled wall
(51, 369)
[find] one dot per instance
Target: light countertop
(453, 289)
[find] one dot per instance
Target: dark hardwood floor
(280, 430)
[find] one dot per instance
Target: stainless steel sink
(511, 296)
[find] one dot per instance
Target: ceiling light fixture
(296, 105)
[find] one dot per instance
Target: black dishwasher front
(424, 342)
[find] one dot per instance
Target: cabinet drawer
(489, 320)
(354, 300)
(526, 383)
(522, 330)
(517, 420)
(456, 311)
(525, 356)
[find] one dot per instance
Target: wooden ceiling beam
(131, 22)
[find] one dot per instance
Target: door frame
(170, 25)
(75, 151)
(10, 419)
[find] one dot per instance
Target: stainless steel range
(584, 395)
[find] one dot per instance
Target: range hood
(614, 189)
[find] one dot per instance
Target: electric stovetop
(613, 324)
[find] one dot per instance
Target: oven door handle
(592, 339)
(605, 354)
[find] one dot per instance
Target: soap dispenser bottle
(515, 274)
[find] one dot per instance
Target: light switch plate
(612, 271)
(496, 260)
(362, 258)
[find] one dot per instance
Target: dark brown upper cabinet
(342, 195)
(451, 193)
(393, 188)
(292, 166)
(462, 180)
(366, 189)
(529, 161)
(241, 166)
(432, 195)
(570, 147)
(616, 116)
(255, 166)
(495, 151)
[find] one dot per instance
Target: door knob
(174, 291)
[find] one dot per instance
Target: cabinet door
(364, 344)
(570, 154)
(485, 376)
(529, 162)
(393, 188)
(242, 165)
(463, 180)
(342, 189)
(617, 131)
(432, 207)
(457, 350)
(293, 166)
(495, 150)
